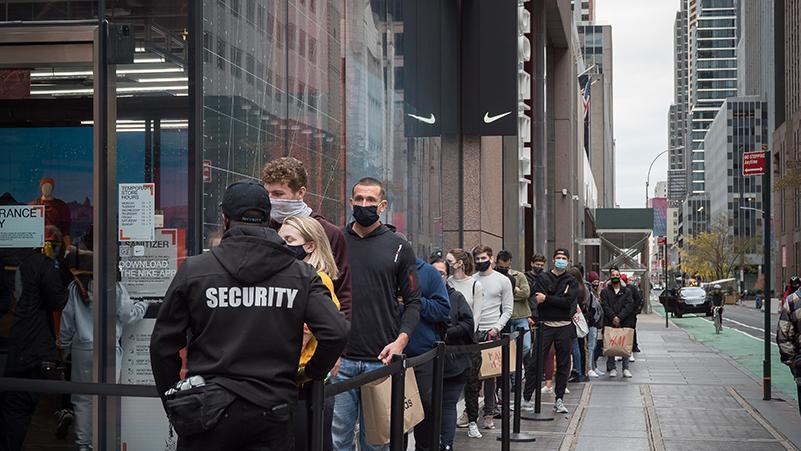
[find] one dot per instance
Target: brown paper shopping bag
(618, 341)
(376, 405)
(491, 361)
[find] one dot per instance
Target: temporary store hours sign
(137, 203)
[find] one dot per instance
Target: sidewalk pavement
(683, 396)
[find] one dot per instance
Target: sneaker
(527, 406)
(592, 373)
(632, 359)
(627, 373)
(618, 358)
(472, 430)
(488, 422)
(463, 421)
(599, 372)
(547, 390)
(559, 407)
(64, 419)
(613, 373)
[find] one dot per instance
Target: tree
(716, 254)
(792, 177)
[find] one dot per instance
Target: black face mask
(299, 251)
(502, 270)
(483, 266)
(536, 270)
(365, 216)
(615, 280)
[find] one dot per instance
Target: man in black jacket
(243, 306)
(619, 311)
(40, 290)
(556, 294)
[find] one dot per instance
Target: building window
(221, 46)
(290, 36)
(302, 43)
(236, 61)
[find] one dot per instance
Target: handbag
(377, 407)
(582, 329)
(618, 341)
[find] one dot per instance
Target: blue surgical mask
(560, 264)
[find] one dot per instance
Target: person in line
(383, 267)
(76, 336)
(585, 304)
(788, 337)
(595, 346)
(536, 266)
(239, 310)
(636, 296)
(40, 289)
(496, 311)
(521, 311)
(459, 330)
(556, 293)
(306, 237)
(286, 181)
(618, 308)
(792, 286)
(434, 312)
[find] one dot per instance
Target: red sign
(661, 241)
(206, 171)
(753, 163)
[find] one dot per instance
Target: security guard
(239, 310)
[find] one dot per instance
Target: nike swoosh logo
(490, 119)
(428, 120)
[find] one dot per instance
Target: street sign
(661, 240)
(753, 163)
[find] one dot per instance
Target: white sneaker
(627, 373)
(559, 407)
(632, 359)
(599, 372)
(527, 406)
(618, 358)
(613, 373)
(463, 421)
(567, 391)
(472, 430)
(547, 390)
(592, 373)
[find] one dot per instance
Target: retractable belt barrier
(319, 391)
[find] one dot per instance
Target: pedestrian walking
(40, 289)
(459, 330)
(307, 239)
(383, 268)
(556, 293)
(788, 337)
(618, 308)
(434, 313)
(243, 306)
(496, 310)
(286, 181)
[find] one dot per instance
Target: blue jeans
(577, 356)
(347, 408)
(521, 324)
(451, 390)
(592, 340)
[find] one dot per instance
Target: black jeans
(451, 389)
(474, 385)
(246, 427)
(562, 339)
(423, 441)
(16, 411)
(300, 420)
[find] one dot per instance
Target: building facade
(677, 114)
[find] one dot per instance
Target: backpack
(597, 310)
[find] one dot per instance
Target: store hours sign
(137, 204)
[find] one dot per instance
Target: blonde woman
(306, 238)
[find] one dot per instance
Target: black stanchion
(505, 437)
(517, 436)
(396, 432)
(436, 395)
(537, 415)
(316, 409)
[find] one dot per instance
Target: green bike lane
(746, 350)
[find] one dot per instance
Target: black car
(692, 300)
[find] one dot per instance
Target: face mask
(299, 251)
(615, 280)
(502, 270)
(536, 270)
(365, 216)
(560, 264)
(483, 266)
(284, 208)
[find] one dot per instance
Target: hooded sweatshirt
(434, 310)
(383, 268)
(243, 306)
(561, 296)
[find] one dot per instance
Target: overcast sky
(642, 48)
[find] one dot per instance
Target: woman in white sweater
(461, 279)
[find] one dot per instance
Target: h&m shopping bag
(618, 341)
(491, 363)
(376, 402)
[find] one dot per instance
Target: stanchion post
(505, 437)
(436, 395)
(517, 436)
(316, 409)
(396, 432)
(538, 415)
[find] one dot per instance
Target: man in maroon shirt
(286, 179)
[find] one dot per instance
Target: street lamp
(755, 209)
(648, 179)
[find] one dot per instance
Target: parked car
(692, 300)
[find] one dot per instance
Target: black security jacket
(382, 267)
(239, 310)
(561, 296)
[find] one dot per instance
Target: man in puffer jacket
(788, 337)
